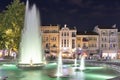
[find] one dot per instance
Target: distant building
(67, 39)
(103, 41)
(108, 41)
(50, 39)
(118, 45)
(88, 42)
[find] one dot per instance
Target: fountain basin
(91, 73)
(61, 75)
(78, 69)
(31, 67)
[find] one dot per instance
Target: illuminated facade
(102, 41)
(50, 39)
(108, 38)
(88, 42)
(118, 45)
(67, 40)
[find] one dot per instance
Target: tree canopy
(11, 24)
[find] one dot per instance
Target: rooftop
(107, 27)
(87, 33)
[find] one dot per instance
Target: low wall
(114, 65)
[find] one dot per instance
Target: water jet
(31, 54)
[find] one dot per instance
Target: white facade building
(67, 39)
(118, 45)
(108, 41)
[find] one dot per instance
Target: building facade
(102, 41)
(118, 45)
(67, 41)
(50, 36)
(88, 42)
(108, 41)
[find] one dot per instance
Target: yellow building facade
(53, 40)
(88, 42)
(50, 39)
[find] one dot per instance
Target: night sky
(82, 14)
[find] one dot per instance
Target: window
(105, 39)
(112, 33)
(85, 39)
(85, 46)
(64, 43)
(46, 39)
(114, 45)
(46, 31)
(95, 39)
(73, 43)
(53, 38)
(73, 34)
(110, 46)
(78, 38)
(48, 45)
(54, 45)
(67, 43)
(65, 34)
(103, 33)
(62, 33)
(78, 45)
(102, 39)
(90, 38)
(102, 45)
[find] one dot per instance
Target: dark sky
(84, 14)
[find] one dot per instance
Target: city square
(32, 51)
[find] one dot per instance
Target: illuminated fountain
(31, 41)
(60, 71)
(82, 63)
(75, 62)
(59, 66)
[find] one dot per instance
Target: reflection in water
(58, 78)
(93, 74)
(82, 76)
(78, 76)
(33, 75)
(2, 74)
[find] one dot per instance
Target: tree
(11, 24)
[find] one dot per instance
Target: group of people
(50, 57)
(8, 54)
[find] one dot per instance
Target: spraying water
(75, 62)
(82, 63)
(59, 67)
(31, 41)
(61, 72)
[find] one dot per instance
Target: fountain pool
(93, 73)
